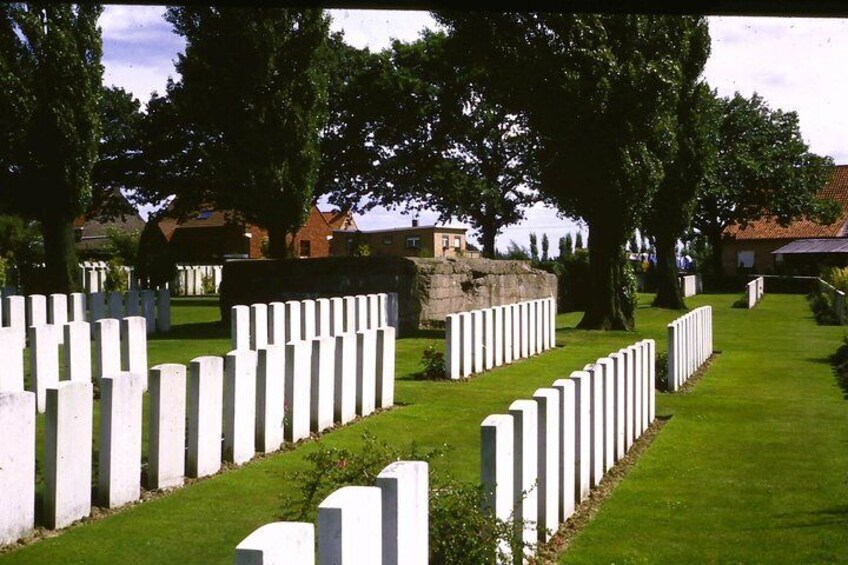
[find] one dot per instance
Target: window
(445, 241)
(457, 241)
(305, 248)
(413, 242)
(388, 239)
(745, 259)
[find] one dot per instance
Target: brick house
(765, 246)
(91, 231)
(212, 236)
(413, 241)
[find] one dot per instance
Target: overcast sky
(794, 63)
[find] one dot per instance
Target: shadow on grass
(199, 330)
(426, 334)
(829, 516)
(196, 302)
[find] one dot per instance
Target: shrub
(433, 363)
(838, 277)
(461, 530)
(661, 371)
(823, 308)
(116, 277)
(207, 281)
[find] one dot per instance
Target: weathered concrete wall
(428, 289)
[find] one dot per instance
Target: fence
(754, 290)
(253, 398)
(690, 344)
(188, 280)
(479, 340)
(543, 457)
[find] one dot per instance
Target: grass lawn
(750, 467)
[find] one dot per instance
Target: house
(92, 229)
(212, 236)
(803, 247)
(413, 241)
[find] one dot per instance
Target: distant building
(413, 241)
(92, 229)
(212, 236)
(801, 247)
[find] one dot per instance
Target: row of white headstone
(754, 290)
(690, 285)
(479, 340)
(357, 525)
(93, 276)
(22, 312)
(540, 461)
(690, 344)
(119, 345)
(254, 399)
(188, 280)
(257, 325)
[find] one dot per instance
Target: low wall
(428, 289)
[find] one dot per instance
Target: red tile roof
(836, 189)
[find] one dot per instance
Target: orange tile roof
(836, 189)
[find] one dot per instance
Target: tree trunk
(716, 248)
(60, 256)
(668, 284)
(605, 310)
(277, 247)
(487, 235)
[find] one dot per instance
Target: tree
(670, 214)
(534, 248)
(599, 92)
(763, 169)
(578, 242)
(50, 88)
(545, 247)
(241, 130)
(566, 247)
(426, 135)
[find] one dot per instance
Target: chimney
(414, 222)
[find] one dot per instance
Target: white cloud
(375, 29)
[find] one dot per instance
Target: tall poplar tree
(50, 89)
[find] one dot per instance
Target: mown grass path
(751, 466)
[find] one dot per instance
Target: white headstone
(132, 303)
(350, 526)
(239, 406)
(205, 416)
(366, 372)
(166, 452)
(344, 405)
(652, 379)
(277, 324)
(639, 390)
(163, 310)
(349, 313)
(240, 327)
(323, 383)
(524, 308)
(383, 310)
(533, 340)
(116, 305)
(148, 309)
(77, 351)
(12, 367)
(393, 310)
(497, 467)
(488, 338)
(14, 316)
(298, 395)
(618, 360)
(582, 422)
(134, 347)
(278, 543)
(477, 338)
(508, 333)
(465, 343)
(373, 312)
(453, 348)
(548, 450)
(385, 366)
(58, 309)
(405, 488)
(361, 322)
(293, 327)
(567, 443)
(44, 361)
(97, 304)
(119, 470)
(107, 347)
(525, 468)
(323, 327)
(608, 372)
(337, 317)
(17, 465)
(629, 395)
(498, 335)
(78, 307)
(36, 310)
(270, 398)
(308, 321)
(258, 326)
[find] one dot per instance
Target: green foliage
(461, 531)
(242, 127)
(578, 242)
(116, 277)
(566, 246)
(824, 310)
(433, 363)
(516, 252)
(425, 252)
(534, 248)
(661, 371)
(435, 140)
(838, 278)
(50, 88)
(207, 281)
(629, 289)
(545, 247)
(362, 249)
(123, 245)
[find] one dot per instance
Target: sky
(794, 63)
